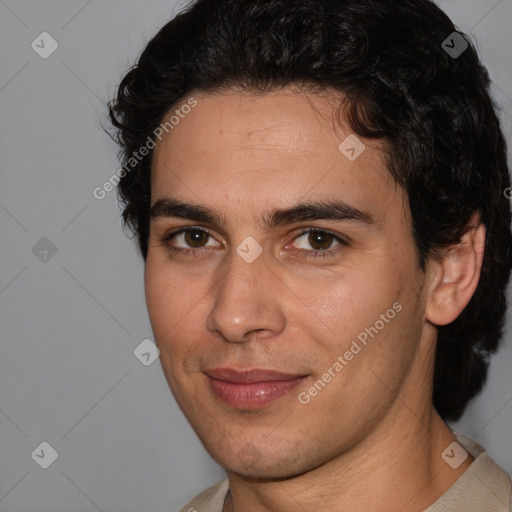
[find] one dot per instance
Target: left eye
(320, 240)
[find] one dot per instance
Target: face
(304, 266)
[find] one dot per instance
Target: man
(317, 188)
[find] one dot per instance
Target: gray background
(69, 325)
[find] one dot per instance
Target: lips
(251, 389)
(250, 376)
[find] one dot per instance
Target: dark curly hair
(433, 110)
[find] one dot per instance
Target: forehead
(282, 121)
(267, 149)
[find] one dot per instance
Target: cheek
(370, 314)
(165, 299)
(157, 294)
(353, 300)
(175, 309)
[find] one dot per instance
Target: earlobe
(457, 274)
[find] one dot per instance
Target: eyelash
(198, 252)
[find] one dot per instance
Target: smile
(251, 389)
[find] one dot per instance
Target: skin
(374, 424)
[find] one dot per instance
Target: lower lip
(252, 395)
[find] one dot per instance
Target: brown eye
(187, 240)
(196, 237)
(320, 240)
(317, 239)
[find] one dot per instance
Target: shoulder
(484, 486)
(210, 500)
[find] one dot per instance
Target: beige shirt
(483, 487)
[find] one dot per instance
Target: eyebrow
(307, 211)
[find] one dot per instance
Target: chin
(262, 462)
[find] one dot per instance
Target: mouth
(251, 389)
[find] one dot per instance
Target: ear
(456, 274)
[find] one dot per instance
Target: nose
(247, 300)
